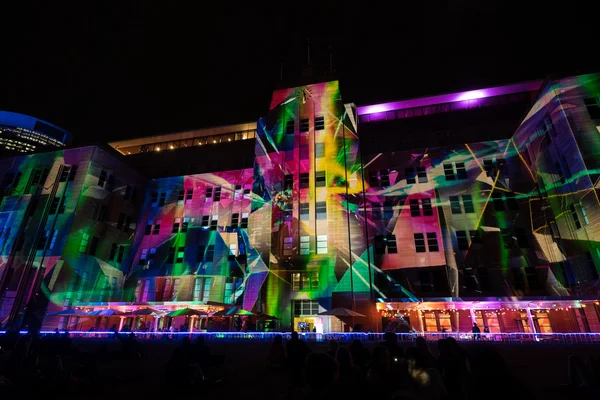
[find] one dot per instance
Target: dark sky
(107, 73)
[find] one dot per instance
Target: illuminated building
(22, 134)
(478, 206)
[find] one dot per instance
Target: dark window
(475, 237)
(128, 192)
(320, 180)
(54, 205)
(156, 229)
(103, 214)
(388, 210)
(213, 223)
(506, 238)
(461, 171)
(415, 211)
(175, 227)
(427, 210)
(455, 205)
(120, 220)
(210, 253)
(304, 211)
(591, 104)
(94, 246)
(43, 241)
(392, 246)
(61, 206)
(208, 193)
(384, 176)
(575, 216)
(127, 224)
(304, 125)
(154, 197)
(288, 182)
(411, 176)
(148, 229)
(289, 127)
(319, 123)
(235, 220)
(244, 223)
(64, 174)
(35, 179)
(113, 252)
(425, 281)
(72, 173)
(321, 210)
(379, 244)
(180, 195)
(422, 174)
(462, 240)
(184, 225)
(468, 204)
(488, 166)
(171, 255)
(217, 196)
(304, 180)
(121, 253)
(374, 179)
(521, 236)
(591, 266)
(102, 178)
(432, 241)
(190, 193)
(497, 200)
(449, 172)
(420, 243)
(200, 253)
(161, 200)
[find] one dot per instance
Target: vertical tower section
(306, 195)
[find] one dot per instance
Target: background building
(22, 134)
(468, 207)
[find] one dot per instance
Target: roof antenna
(308, 51)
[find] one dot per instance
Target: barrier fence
(565, 338)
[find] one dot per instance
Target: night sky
(110, 73)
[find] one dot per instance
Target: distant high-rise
(22, 134)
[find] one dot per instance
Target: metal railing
(518, 337)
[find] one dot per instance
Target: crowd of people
(32, 364)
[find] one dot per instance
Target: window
(304, 180)
(591, 104)
(422, 175)
(72, 173)
(306, 307)
(305, 281)
(93, 246)
(506, 238)
(244, 220)
(374, 179)
(171, 255)
(415, 211)
(113, 252)
(208, 193)
(54, 205)
(304, 125)
(321, 209)
(235, 219)
(304, 211)
(304, 245)
(455, 170)
(288, 182)
(497, 201)
(420, 243)
(213, 222)
(413, 173)
(148, 230)
(176, 225)
(167, 290)
(161, 199)
(384, 177)
(392, 246)
(455, 205)
(320, 179)
(319, 123)
(180, 255)
(493, 166)
(288, 245)
(575, 216)
(321, 244)
(200, 253)
(210, 253)
(319, 150)
(130, 193)
(432, 241)
(156, 229)
(180, 197)
(289, 127)
(84, 243)
(43, 241)
(185, 224)
(521, 236)
(197, 293)
(462, 240)
(591, 266)
(154, 198)
(189, 194)
(427, 210)
(120, 253)
(61, 206)
(102, 178)
(152, 253)
(468, 204)
(586, 220)
(475, 237)
(205, 219)
(217, 195)
(120, 221)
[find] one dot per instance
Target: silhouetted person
(297, 351)
(332, 348)
(320, 373)
(390, 342)
(424, 357)
(276, 356)
(350, 377)
(360, 355)
(476, 332)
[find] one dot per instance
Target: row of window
(186, 196)
(304, 125)
(387, 243)
(208, 222)
(170, 289)
(288, 245)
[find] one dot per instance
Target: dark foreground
(542, 368)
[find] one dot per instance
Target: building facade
(24, 134)
(418, 225)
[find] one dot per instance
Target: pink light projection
(450, 98)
